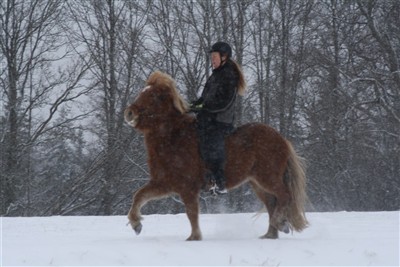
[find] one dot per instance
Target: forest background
(324, 73)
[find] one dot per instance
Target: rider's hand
(194, 107)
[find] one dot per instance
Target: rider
(215, 112)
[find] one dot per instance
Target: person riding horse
(215, 112)
(255, 154)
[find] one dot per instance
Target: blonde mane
(163, 80)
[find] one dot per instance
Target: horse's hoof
(285, 227)
(137, 228)
(269, 236)
(194, 238)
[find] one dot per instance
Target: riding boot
(216, 180)
(218, 175)
(221, 189)
(211, 181)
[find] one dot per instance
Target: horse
(255, 154)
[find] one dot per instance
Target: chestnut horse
(255, 153)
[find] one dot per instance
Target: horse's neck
(160, 132)
(168, 132)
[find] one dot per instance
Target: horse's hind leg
(141, 197)
(279, 217)
(191, 201)
(277, 188)
(270, 203)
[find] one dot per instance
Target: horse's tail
(296, 181)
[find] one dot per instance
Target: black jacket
(219, 94)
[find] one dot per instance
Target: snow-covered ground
(341, 238)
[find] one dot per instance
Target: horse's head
(158, 100)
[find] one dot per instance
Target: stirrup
(221, 191)
(213, 189)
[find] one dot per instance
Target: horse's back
(257, 136)
(254, 149)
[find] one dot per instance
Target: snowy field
(342, 238)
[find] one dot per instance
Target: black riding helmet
(223, 48)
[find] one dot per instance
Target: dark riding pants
(212, 145)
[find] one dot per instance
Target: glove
(196, 107)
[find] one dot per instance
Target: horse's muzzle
(130, 117)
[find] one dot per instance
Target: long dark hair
(242, 81)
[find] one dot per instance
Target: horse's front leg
(146, 193)
(191, 201)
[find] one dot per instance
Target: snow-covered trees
(34, 84)
(324, 73)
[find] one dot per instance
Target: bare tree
(262, 32)
(325, 73)
(346, 118)
(111, 33)
(30, 45)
